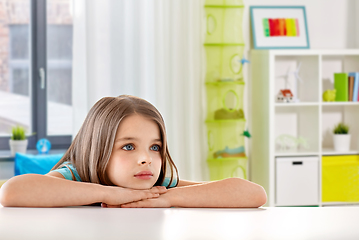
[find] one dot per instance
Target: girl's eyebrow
(134, 139)
(126, 139)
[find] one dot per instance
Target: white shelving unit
(309, 117)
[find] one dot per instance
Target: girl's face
(135, 160)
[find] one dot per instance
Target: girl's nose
(145, 159)
(143, 162)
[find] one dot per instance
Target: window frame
(38, 95)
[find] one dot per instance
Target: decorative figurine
(329, 95)
(246, 134)
(243, 61)
(285, 95)
(43, 146)
(294, 88)
(289, 142)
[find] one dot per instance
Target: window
(36, 70)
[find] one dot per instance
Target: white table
(176, 223)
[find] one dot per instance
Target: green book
(341, 85)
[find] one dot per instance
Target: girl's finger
(159, 189)
(128, 205)
(113, 206)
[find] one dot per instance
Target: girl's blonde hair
(91, 149)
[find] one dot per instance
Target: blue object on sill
(43, 146)
(39, 164)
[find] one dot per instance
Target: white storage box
(297, 181)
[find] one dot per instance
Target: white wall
(330, 22)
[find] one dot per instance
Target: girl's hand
(161, 202)
(116, 196)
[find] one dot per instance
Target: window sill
(5, 155)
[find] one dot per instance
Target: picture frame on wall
(279, 27)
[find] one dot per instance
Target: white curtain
(148, 48)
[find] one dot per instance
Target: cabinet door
(297, 181)
(340, 178)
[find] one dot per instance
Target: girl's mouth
(144, 175)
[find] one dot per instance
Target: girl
(120, 158)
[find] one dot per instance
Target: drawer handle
(297, 163)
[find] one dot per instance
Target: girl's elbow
(4, 200)
(261, 197)
(258, 196)
(8, 193)
(5, 197)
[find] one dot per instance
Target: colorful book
(350, 88)
(341, 85)
(356, 87)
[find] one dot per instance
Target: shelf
(291, 153)
(308, 121)
(339, 203)
(296, 104)
(340, 103)
(333, 114)
(316, 104)
(309, 52)
(329, 151)
(305, 87)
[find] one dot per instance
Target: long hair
(91, 149)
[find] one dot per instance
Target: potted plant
(18, 141)
(341, 137)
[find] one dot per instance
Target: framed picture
(279, 27)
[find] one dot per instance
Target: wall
(330, 22)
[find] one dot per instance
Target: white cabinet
(304, 126)
(297, 181)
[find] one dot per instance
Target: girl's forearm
(231, 193)
(32, 190)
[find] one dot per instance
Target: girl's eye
(128, 147)
(155, 148)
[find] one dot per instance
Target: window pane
(59, 67)
(15, 98)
